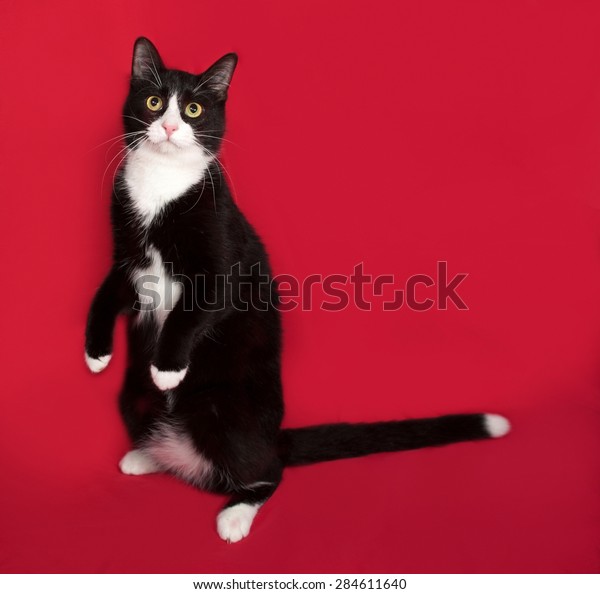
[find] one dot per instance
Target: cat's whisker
(135, 144)
(212, 185)
(206, 133)
(126, 140)
(115, 139)
(107, 168)
(133, 147)
(221, 166)
(136, 119)
(202, 135)
(199, 196)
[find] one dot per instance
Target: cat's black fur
(230, 402)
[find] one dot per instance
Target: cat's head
(174, 112)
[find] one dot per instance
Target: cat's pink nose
(170, 128)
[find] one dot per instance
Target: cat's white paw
(233, 523)
(167, 380)
(96, 365)
(136, 463)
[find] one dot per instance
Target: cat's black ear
(146, 60)
(218, 77)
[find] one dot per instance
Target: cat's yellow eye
(193, 110)
(154, 103)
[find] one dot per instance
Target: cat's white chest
(157, 292)
(154, 178)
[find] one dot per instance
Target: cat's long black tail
(321, 443)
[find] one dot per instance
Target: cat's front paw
(167, 380)
(97, 364)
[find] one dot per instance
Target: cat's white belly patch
(157, 292)
(174, 451)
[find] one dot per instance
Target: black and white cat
(202, 397)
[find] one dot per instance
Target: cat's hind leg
(137, 462)
(235, 519)
(140, 404)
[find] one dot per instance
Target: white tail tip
(496, 425)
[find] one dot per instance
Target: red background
(391, 133)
